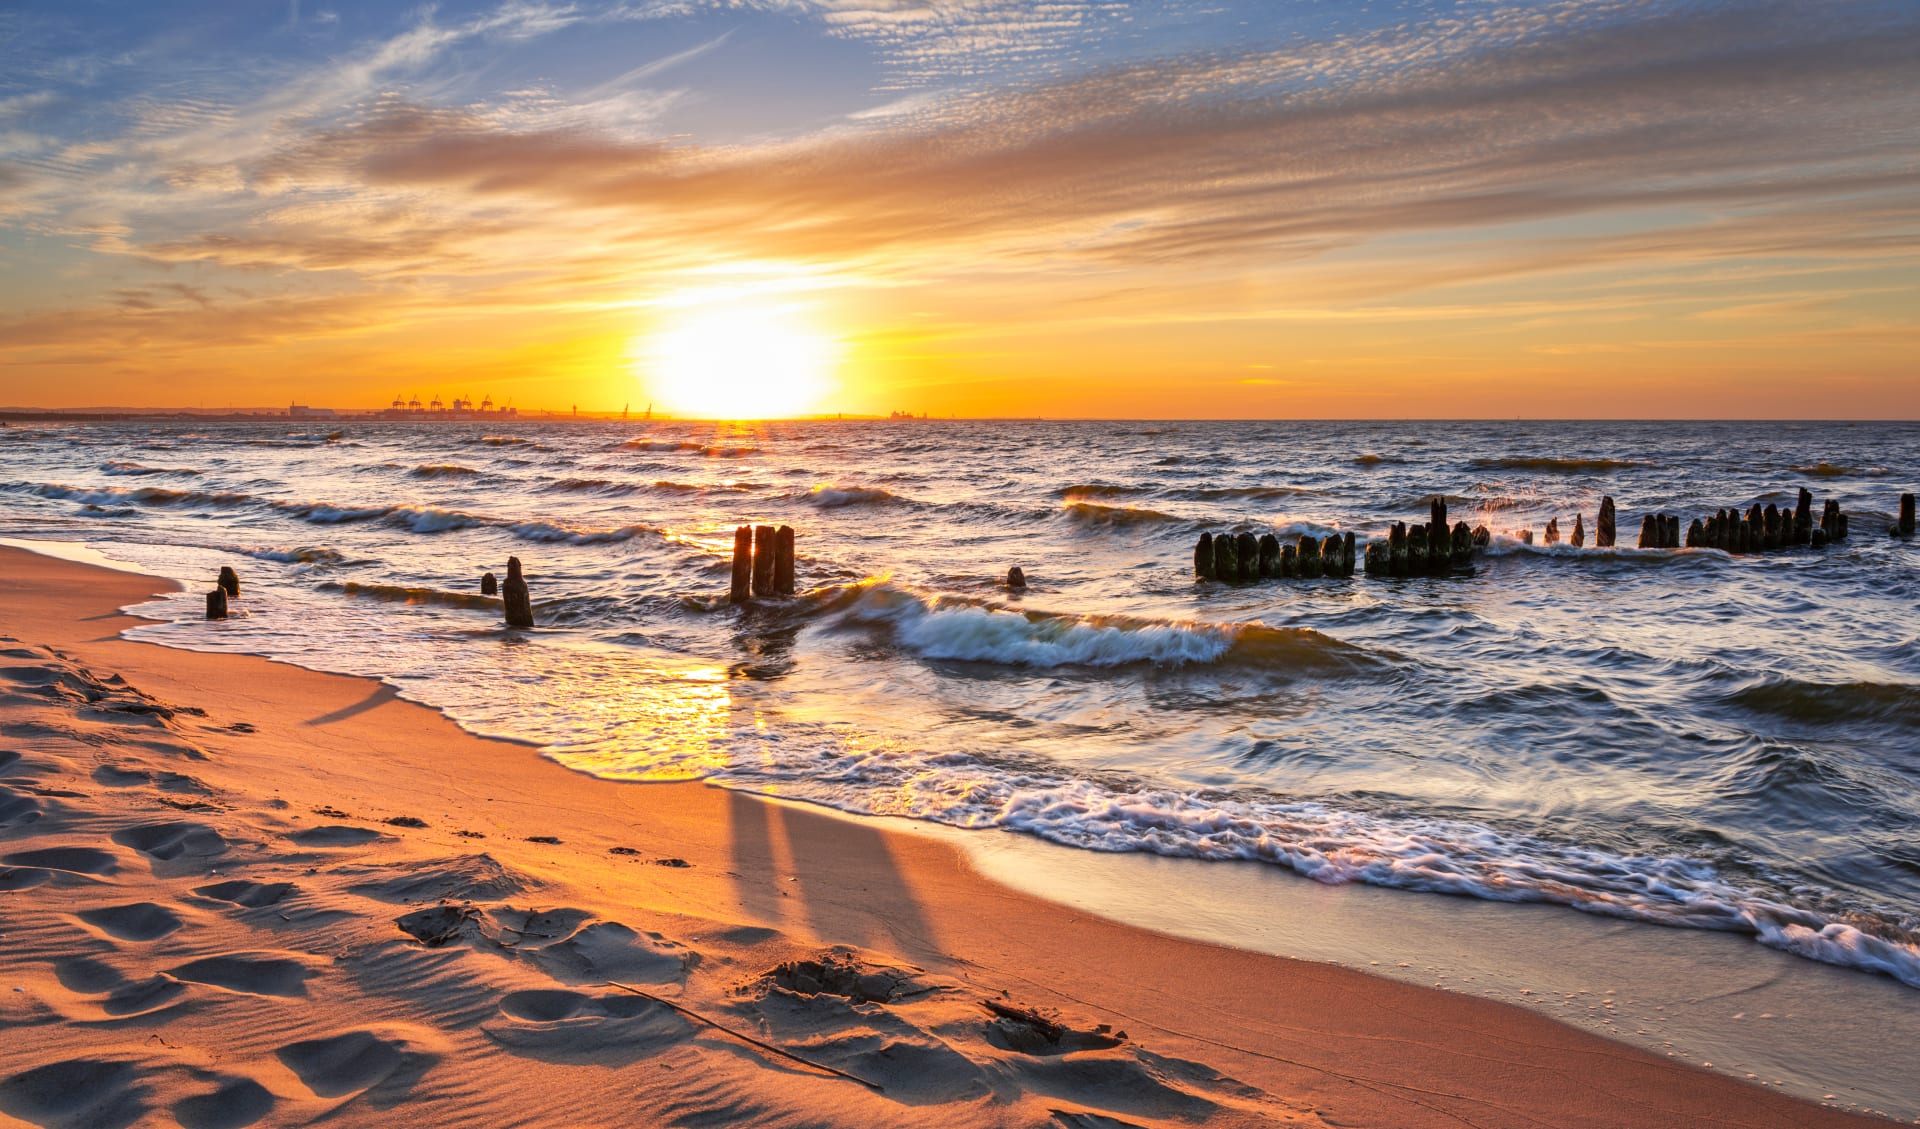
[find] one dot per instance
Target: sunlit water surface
(1684, 738)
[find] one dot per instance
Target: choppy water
(1684, 738)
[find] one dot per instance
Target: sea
(1679, 738)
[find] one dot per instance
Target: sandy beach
(236, 892)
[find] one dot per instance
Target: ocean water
(1682, 738)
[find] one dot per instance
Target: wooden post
(1906, 515)
(1437, 512)
(1289, 563)
(217, 603)
(1397, 551)
(1526, 535)
(1673, 531)
(1417, 545)
(1332, 556)
(1247, 547)
(516, 598)
(1803, 517)
(1603, 536)
(1462, 545)
(1226, 558)
(783, 561)
(1696, 534)
(1308, 557)
(1579, 532)
(1269, 556)
(489, 584)
(1016, 579)
(1647, 536)
(1482, 537)
(230, 581)
(1203, 557)
(742, 565)
(763, 551)
(1346, 555)
(1378, 562)
(1553, 531)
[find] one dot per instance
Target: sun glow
(737, 360)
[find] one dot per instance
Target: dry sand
(234, 892)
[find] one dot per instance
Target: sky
(1078, 208)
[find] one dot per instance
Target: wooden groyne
(763, 562)
(1434, 547)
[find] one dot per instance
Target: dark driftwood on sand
(746, 1038)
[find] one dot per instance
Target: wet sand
(239, 892)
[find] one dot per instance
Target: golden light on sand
(738, 360)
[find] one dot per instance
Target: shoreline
(766, 882)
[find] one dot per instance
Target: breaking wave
(1555, 465)
(411, 594)
(828, 496)
(1118, 517)
(442, 470)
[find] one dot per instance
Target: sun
(737, 360)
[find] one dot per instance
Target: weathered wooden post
(489, 584)
(1843, 526)
(1906, 516)
(1016, 579)
(1696, 534)
(1332, 556)
(1397, 551)
(1803, 517)
(514, 595)
(1417, 545)
(1462, 545)
(1379, 563)
(1226, 559)
(1307, 557)
(1526, 535)
(230, 581)
(1269, 556)
(783, 561)
(1482, 537)
(217, 603)
(742, 564)
(1289, 562)
(1647, 535)
(1203, 557)
(1346, 555)
(1603, 536)
(1673, 531)
(1247, 547)
(1553, 531)
(763, 551)
(1437, 512)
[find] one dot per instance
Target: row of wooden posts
(1437, 547)
(763, 563)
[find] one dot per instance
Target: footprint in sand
(17, 810)
(141, 921)
(336, 835)
(23, 877)
(178, 842)
(357, 1060)
(248, 974)
(250, 895)
(238, 1102)
(562, 1026)
(67, 860)
(125, 998)
(96, 1093)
